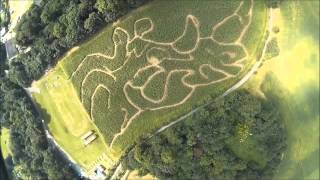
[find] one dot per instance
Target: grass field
(149, 68)
(291, 80)
(68, 121)
(18, 8)
(4, 143)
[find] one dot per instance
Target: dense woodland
(57, 25)
(33, 156)
(238, 137)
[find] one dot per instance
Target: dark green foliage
(37, 157)
(3, 170)
(93, 21)
(49, 29)
(3, 57)
(199, 147)
(273, 49)
(55, 26)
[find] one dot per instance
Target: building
(99, 173)
(11, 49)
(88, 137)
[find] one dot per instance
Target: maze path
(183, 58)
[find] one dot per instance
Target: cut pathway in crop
(189, 62)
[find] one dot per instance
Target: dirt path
(234, 87)
(153, 62)
(258, 63)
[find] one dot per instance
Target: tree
(33, 156)
(3, 58)
(101, 6)
(199, 147)
(93, 21)
(58, 30)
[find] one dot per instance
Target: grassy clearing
(18, 8)
(292, 81)
(194, 68)
(248, 150)
(5, 143)
(67, 120)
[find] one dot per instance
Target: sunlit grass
(67, 120)
(4, 142)
(295, 86)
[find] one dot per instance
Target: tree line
(52, 27)
(33, 156)
(205, 145)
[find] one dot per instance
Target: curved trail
(155, 63)
(231, 89)
(234, 87)
(163, 56)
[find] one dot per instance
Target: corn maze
(144, 75)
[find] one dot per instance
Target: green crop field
(151, 67)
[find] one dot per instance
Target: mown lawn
(4, 142)
(67, 120)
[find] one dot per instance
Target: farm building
(11, 49)
(99, 172)
(88, 137)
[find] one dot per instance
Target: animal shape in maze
(128, 78)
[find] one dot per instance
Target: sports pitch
(149, 68)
